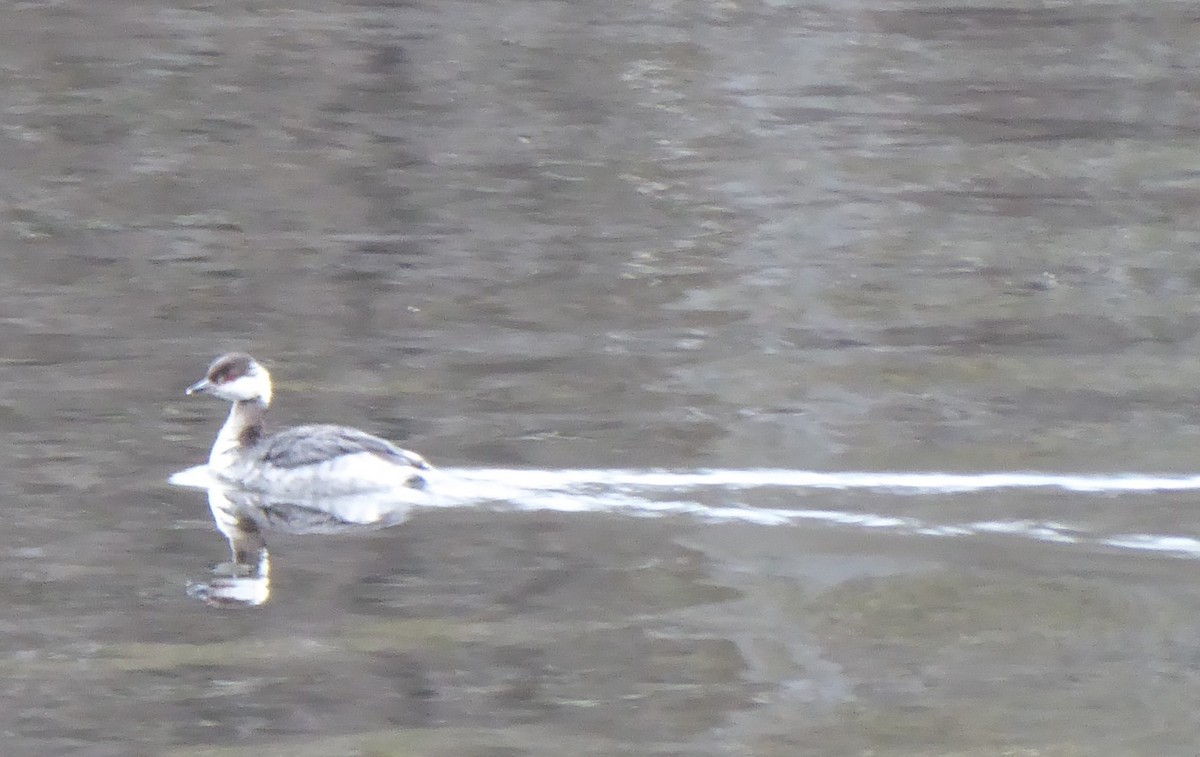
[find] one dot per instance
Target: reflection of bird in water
(244, 517)
(311, 460)
(245, 580)
(310, 515)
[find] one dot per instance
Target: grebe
(313, 460)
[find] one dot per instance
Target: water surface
(613, 238)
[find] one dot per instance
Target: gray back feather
(308, 445)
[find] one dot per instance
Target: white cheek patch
(249, 387)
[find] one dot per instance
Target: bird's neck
(243, 428)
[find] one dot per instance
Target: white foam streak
(1182, 546)
(651, 493)
(753, 478)
(630, 491)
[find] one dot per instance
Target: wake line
(629, 492)
(502, 481)
(751, 478)
(652, 494)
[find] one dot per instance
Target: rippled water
(809, 378)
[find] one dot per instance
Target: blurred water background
(540, 236)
